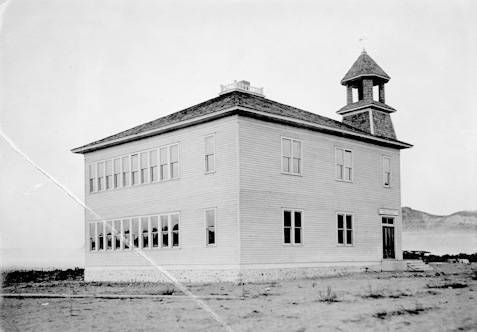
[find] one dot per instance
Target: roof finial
(361, 41)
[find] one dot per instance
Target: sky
(75, 71)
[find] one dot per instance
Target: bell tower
(366, 107)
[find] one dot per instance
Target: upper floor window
(209, 153)
(210, 227)
(292, 227)
(100, 180)
(125, 171)
(92, 176)
(344, 164)
(345, 229)
(153, 165)
(109, 174)
(386, 171)
(116, 172)
(291, 156)
(169, 162)
(134, 169)
(144, 166)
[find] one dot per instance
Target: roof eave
(346, 80)
(246, 112)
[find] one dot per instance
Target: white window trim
(301, 154)
(344, 165)
(353, 235)
(121, 185)
(129, 220)
(292, 235)
(214, 154)
(383, 171)
(206, 229)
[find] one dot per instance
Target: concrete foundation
(245, 274)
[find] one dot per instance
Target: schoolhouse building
(244, 187)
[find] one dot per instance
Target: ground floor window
(345, 228)
(137, 232)
(292, 226)
(92, 236)
(210, 227)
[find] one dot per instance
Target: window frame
(95, 236)
(384, 157)
(207, 244)
(129, 240)
(292, 227)
(100, 180)
(290, 172)
(344, 164)
(213, 154)
(345, 229)
(126, 169)
(92, 188)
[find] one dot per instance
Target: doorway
(388, 237)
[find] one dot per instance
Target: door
(388, 237)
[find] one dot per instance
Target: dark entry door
(388, 242)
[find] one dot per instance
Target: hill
(415, 220)
(451, 234)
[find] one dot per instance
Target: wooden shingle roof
(365, 66)
(237, 102)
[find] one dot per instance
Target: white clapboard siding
(193, 192)
(264, 191)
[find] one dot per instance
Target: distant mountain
(415, 220)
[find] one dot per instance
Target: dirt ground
(442, 300)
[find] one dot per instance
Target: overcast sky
(75, 71)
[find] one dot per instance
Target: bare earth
(443, 300)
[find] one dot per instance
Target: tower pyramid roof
(364, 66)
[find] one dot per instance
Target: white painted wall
(190, 194)
(264, 191)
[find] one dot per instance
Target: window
(175, 229)
(125, 164)
(100, 235)
(388, 220)
(210, 154)
(126, 232)
(100, 176)
(153, 165)
(291, 156)
(134, 169)
(109, 174)
(135, 232)
(109, 235)
(169, 230)
(116, 172)
(92, 236)
(91, 172)
(144, 232)
(169, 162)
(163, 164)
(165, 231)
(292, 227)
(117, 234)
(344, 164)
(144, 167)
(387, 171)
(174, 155)
(155, 231)
(345, 229)
(210, 227)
